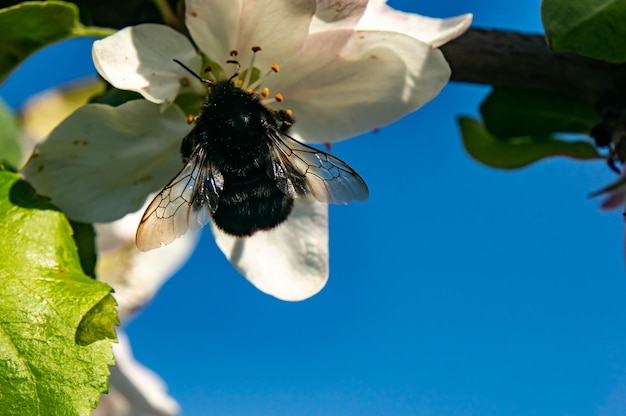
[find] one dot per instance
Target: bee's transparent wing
(305, 170)
(185, 203)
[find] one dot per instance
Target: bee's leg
(285, 120)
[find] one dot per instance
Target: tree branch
(507, 59)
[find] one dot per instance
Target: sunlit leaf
(31, 25)
(44, 297)
(518, 151)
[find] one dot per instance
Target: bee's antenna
(198, 77)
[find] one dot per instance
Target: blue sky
(455, 290)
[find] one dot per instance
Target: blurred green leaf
(518, 151)
(44, 297)
(10, 151)
(31, 25)
(593, 28)
(116, 13)
(511, 112)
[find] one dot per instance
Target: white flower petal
(279, 27)
(101, 162)
(337, 14)
(140, 59)
(345, 83)
(136, 276)
(133, 388)
(42, 112)
(289, 262)
(435, 32)
(213, 26)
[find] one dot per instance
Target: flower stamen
(209, 72)
(273, 68)
(249, 71)
(276, 98)
(251, 87)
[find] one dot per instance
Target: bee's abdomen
(251, 205)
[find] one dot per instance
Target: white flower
(346, 67)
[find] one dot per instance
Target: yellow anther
(290, 112)
(278, 97)
(249, 91)
(191, 118)
(275, 67)
(256, 49)
(265, 92)
(238, 83)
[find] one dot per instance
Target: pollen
(275, 67)
(265, 92)
(289, 111)
(191, 118)
(238, 83)
(278, 97)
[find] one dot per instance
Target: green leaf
(509, 112)
(593, 28)
(10, 151)
(31, 25)
(44, 297)
(518, 151)
(120, 13)
(99, 322)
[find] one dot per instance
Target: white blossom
(346, 67)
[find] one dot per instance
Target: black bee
(243, 171)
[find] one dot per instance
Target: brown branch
(507, 59)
